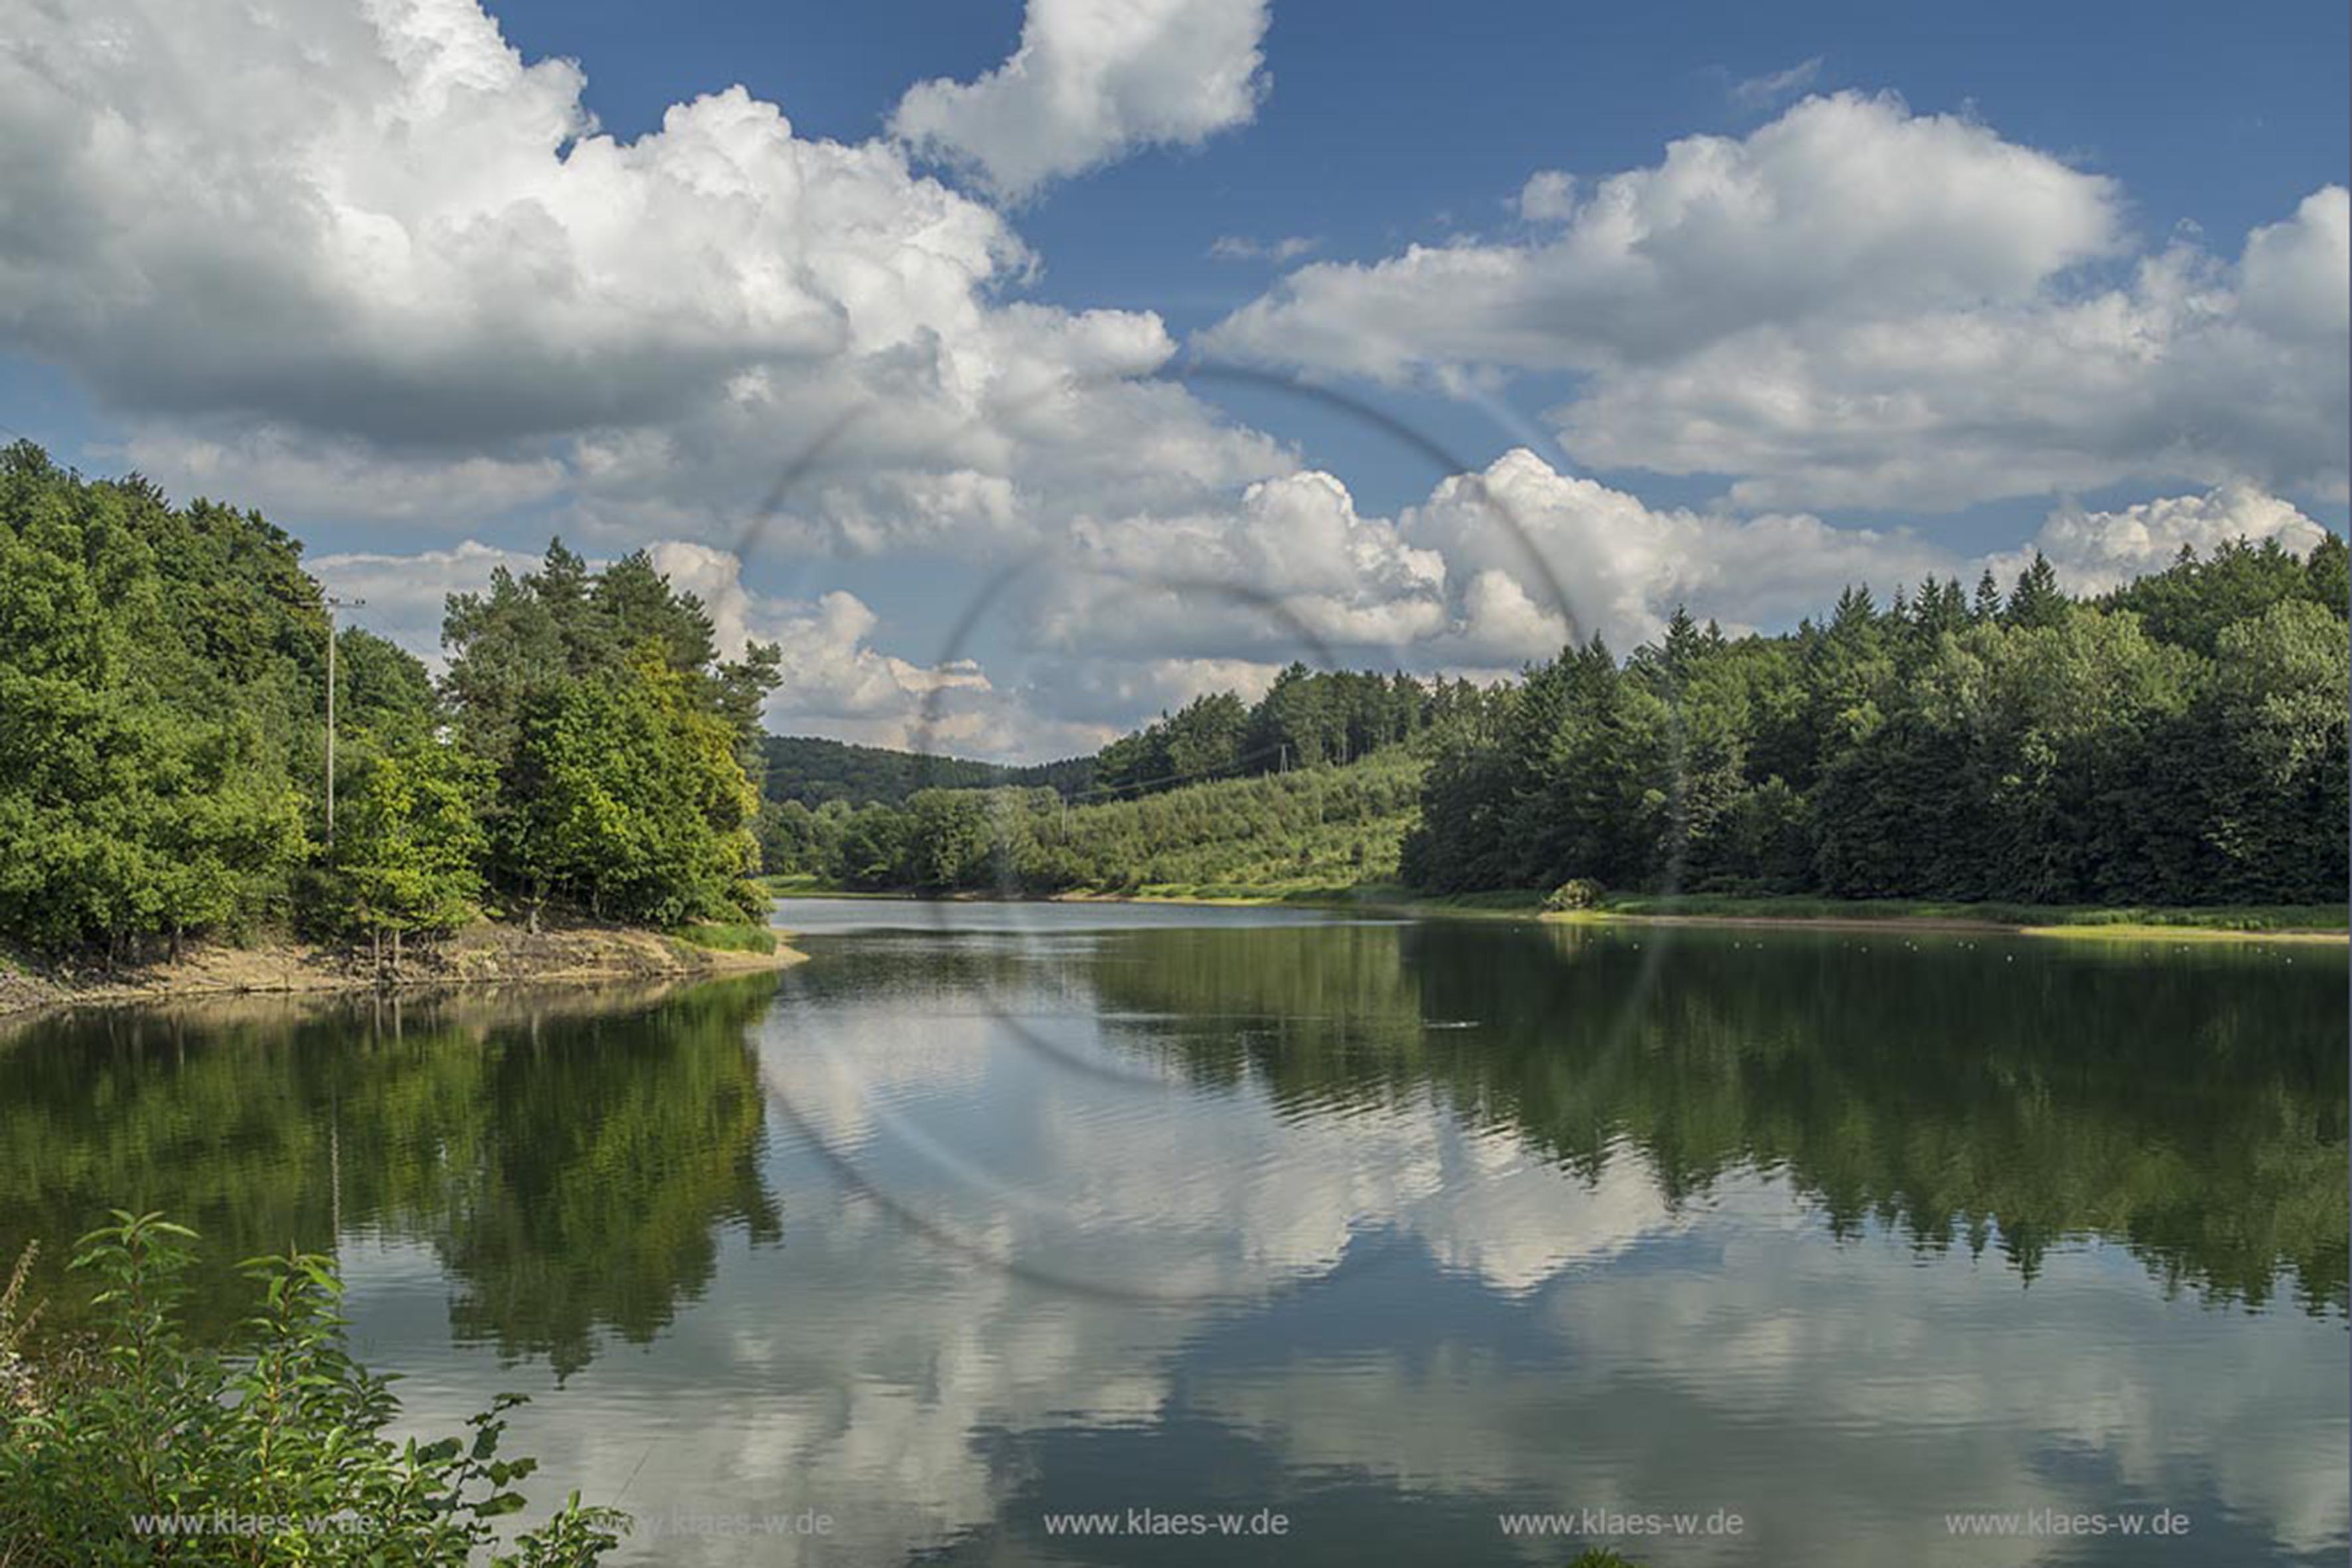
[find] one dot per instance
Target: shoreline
(2048, 924)
(487, 954)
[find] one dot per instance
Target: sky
(1027, 370)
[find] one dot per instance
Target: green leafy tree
(382, 688)
(147, 728)
(409, 847)
(619, 742)
(874, 848)
(2275, 785)
(951, 839)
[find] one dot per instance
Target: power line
(1280, 749)
(1181, 777)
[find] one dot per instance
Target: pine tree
(1987, 607)
(2037, 600)
(1682, 647)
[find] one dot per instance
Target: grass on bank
(807, 885)
(1527, 903)
(2122, 923)
(720, 938)
(2031, 917)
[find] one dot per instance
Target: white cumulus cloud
(1842, 204)
(2194, 368)
(1091, 81)
(2096, 550)
(1856, 305)
(324, 240)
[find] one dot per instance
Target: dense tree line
(2179, 741)
(162, 687)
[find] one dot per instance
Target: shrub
(1576, 893)
(276, 1444)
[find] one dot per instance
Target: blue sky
(1795, 297)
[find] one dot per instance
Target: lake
(1728, 1245)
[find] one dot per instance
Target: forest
(162, 741)
(2181, 740)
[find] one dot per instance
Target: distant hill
(1312, 829)
(813, 771)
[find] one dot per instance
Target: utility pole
(334, 604)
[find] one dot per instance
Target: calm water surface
(992, 1212)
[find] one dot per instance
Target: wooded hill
(1308, 829)
(809, 771)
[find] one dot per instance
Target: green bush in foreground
(273, 1451)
